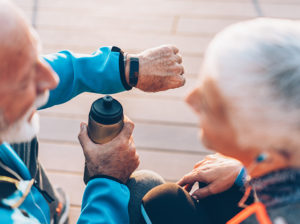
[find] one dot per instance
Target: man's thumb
(83, 135)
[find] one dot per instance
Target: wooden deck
(166, 129)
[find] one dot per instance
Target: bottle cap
(106, 110)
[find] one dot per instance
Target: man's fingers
(176, 81)
(83, 136)
(178, 58)
(175, 49)
(178, 69)
(190, 178)
(127, 129)
(199, 164)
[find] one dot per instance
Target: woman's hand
(217, 171)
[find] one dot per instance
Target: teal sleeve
(100, 72)
(241, 178)
(105, 201)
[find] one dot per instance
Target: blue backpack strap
(34, 204)
(13, 161)
(16, 216)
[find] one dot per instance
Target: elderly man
(248, 103)
(26, 78)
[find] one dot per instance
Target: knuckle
(123, 147)
(129, 124)
(167, 47)
(208, 157)
(178, 69)
(131, 154)
(133, 150)
(185, 177)
(167, 51)
(79, 136)
(124, 140)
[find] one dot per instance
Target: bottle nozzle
(107, 101)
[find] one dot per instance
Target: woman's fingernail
(195, 197)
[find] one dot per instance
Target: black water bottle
(106, 120)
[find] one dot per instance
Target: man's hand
(160, 69)
(218, 172)
(117, 158)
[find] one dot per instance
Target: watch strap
(133, 71)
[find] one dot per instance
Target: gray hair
(256, 67)
(10, 17)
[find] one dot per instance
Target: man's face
(24, 77)
(216, 132)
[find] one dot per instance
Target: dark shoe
(63, 207)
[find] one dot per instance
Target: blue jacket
(105, 200)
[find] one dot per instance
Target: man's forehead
(36, 40)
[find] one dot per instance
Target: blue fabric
(15, 216)
(12, 160)
(241, 178)
(105, 201)
(34, 204)
(78, 73)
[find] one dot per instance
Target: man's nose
(46, 78)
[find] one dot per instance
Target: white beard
(24, 130)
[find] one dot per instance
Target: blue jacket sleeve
(105, 201)
(100, 72)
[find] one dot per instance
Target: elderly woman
(248, 103)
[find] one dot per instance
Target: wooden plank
(133, 42)
(72, 184)
(203, 26)
(61, 157)
(23, 4)
(285, 2)
(154, 136)
(69, 158)
(192, 66)
(91, 22)
(281, 10)
(74, 214)
(154, 7)
(178, 94)
(136, 108)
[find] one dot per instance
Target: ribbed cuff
(104, 176)
(121, 67)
